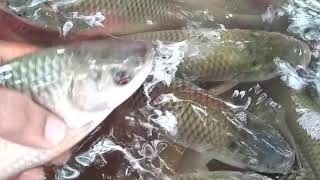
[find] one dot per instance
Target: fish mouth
(301, 55)
(307, 53)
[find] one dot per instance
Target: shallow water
(133, 142)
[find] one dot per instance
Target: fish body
(102, 17)
(303, 118)
(237, 6)
(76, 83)
(220, 175)
(69, 20)
(232, 55)
(15, 28)
(207, 125)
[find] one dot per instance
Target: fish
(302, 118)
(208, 125)
(238, 6)
(101, 17)
(69, 20)
(215, 175)
(233, 55)
(77, 82)
(267, 107)
(16, 29)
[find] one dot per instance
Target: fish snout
(267, 151)
(299, 53)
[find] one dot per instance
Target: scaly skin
(118, 16)
(219, 175)
(240, 55)
(202, 125)
(67, 82)
(122, 17)
(309, 146)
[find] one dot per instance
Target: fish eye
(121, 77)
(254, 63)
(22, 13)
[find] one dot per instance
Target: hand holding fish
(23, 121)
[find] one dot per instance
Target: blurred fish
(75, 82)
(220, 175)
(209, 125)
(303, 119)
(14, 28)
(238, 6)
(233, 55)
(104, 18)
(100, 17)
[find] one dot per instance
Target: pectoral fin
(222, 88)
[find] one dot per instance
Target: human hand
(24, 122)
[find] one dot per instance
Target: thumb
(25, 122)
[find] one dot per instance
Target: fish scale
(135, 11)
(196, 131)
(220, 175)
(39, 75)
(208, 130)
(310, 147)
(206, 124)
(235, 54)
(63, 80)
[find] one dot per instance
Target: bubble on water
(310, 122)
(100, 148)
(289, 75)
(262, 98)
(85, 159)
(67, 27)
(67, 172)
(269, 15)
(58, 3)
(305, 18)
(166, 120)
(93, 20)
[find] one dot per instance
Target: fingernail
(55, 130)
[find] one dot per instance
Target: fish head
(266, 150)
(117, 72)
(292, 50)
(263, 48)
(101, 82)
(110, 73)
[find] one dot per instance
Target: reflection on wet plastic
(175, 110)
(194, 123)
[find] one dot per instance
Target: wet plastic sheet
(202, 101)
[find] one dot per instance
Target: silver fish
(81, 83)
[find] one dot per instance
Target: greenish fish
(209, 125)
(220, 175)
(303, 118)
(232, 55)
(271, 112)
(78, 83)
(100, 17)
(87, 18)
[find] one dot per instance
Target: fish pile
(166, 68)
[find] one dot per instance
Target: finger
(11, 50)
(33, 174)
(24, 122)
(62, 159)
